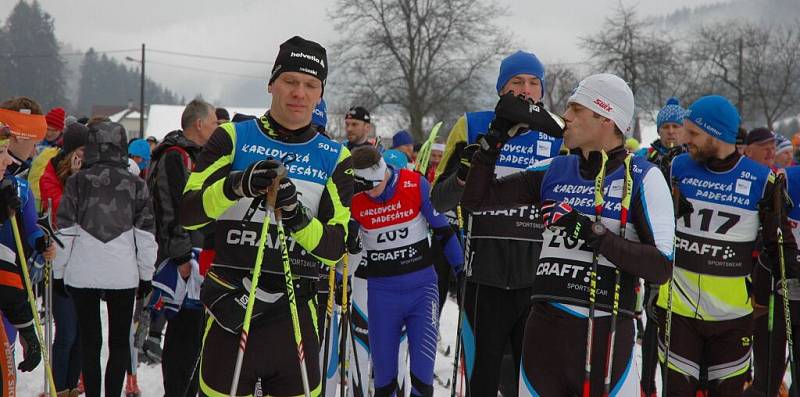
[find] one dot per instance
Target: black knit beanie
(300, 55)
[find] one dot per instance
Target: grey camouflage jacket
(105, 218)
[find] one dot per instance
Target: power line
(63, 54)
(185, 54)
(206, 70)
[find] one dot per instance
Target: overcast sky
(254, 29)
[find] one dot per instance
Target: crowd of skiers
(269, 259)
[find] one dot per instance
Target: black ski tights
(120, 312)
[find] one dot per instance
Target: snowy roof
(124, 114)
(162, 119)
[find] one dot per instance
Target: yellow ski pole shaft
(251, 298)
(328, 325)
(343, 351)
(32, 300)
(287, 271)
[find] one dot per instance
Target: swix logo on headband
(603, 105)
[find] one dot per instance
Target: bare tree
(559, 81)
(772, 73)
(643, 58)
(424, 57)
(719, 52)
(758, 66)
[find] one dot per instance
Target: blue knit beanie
(520, 62)
(401, 138)
(140, 147)
(320, 115)
(672, 112)
(717, 116)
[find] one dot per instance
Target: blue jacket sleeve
(442, 231)
(29, 217)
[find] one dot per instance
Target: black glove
(466, 161)
(145, 286)
(31, 349)
(293, 214)
(9, 200)
(59, 287)
(286, 199)
(576, 225)
(353, 240)
(254, 180)
(512, 111)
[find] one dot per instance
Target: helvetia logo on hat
(307, 56)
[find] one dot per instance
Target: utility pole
(141, 99)
(740, 98)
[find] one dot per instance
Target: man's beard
(700, 154)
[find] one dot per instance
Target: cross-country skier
(498, 289)
(597, 119)
(172, 162)
(765, 372)
(724, 199)
(16, 199)
(66, 345)
(395, 215)
(231, 176)
(358, 125)
(669, 124)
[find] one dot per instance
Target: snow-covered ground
(31, 384)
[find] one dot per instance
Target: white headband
(374, 174)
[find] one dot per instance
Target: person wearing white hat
(497, 290)
(582, 233)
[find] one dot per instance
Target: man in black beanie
(227, 187)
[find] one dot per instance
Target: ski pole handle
(272, 193)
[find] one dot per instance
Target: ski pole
(670, 286)
(248, 313)
(31, 300)
(623, 221)
(343, 362)
(328, 326)
(47, 296)
(770, 325)
(196, 365)
(784, 286)
(287, 272)
(424, 154)
(462, 287)
(599, 202)
(355, 353)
